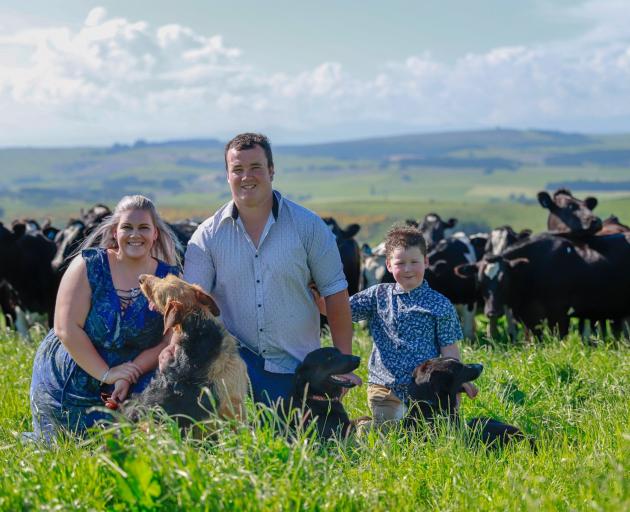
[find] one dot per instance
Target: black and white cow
(448, 254)
(433, 228)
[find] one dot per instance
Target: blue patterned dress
(61, 391)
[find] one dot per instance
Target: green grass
(572, 398)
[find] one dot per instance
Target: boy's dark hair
(249, 141)
(405, 237)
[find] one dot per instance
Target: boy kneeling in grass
(409, 323)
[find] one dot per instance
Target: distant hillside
(189, 175)
(435, 144)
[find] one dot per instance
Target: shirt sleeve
(363, 304)
(198, 264)
(449, 330)
(324, 261)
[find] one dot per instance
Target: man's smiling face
(249, 176)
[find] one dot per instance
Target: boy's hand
(470, 389)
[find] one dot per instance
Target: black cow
(546, 276)
(612, 226)
(183, 230)
(568, 214)
(76, 231)
(528, 278)
(67, 241)
(25, 263)
(10, 304)
(498, 241)
(349, 252)
(575, 219)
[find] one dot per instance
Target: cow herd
(577, 268)
(33, 259)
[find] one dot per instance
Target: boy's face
(407, 266)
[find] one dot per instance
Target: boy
(408, 321)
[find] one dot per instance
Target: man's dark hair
(249, 141)
(405, 237)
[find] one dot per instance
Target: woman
(105, 337)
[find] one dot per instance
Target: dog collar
(321, 398)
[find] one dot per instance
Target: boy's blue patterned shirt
(407, 328)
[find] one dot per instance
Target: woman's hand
(121, 390)
(129, 371)
(167, 355)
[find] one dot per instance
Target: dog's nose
(476, 367)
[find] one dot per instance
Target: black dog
(179, 388)
(317, 390)
(433, 392)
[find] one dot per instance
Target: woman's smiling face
(135, 233)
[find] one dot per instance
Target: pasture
(573, 398)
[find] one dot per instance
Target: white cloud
(118, 79)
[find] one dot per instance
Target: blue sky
(73, 72)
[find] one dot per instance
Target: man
(257, 256)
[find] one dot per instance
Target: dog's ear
(173, 315)
(203, 298)
(419, 371)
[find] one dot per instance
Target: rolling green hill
(483, 177)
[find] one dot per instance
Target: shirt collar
(416, 292)
(231, 210)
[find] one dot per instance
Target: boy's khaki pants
(384, 404)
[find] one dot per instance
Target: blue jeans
(268, 387)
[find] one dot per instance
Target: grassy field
(572, 398)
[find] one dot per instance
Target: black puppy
(433, 392)
(179, 388)
(317, 390)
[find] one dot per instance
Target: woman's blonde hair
(164, 247)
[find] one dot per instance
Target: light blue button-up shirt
(263, 292)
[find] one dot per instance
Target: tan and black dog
(227, 373)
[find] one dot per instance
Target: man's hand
(319, 300)
(166, 355)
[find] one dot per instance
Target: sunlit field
(571, 397)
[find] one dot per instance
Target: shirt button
(258, 280)
(259, 305)
(260, 330)
(256, 256)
